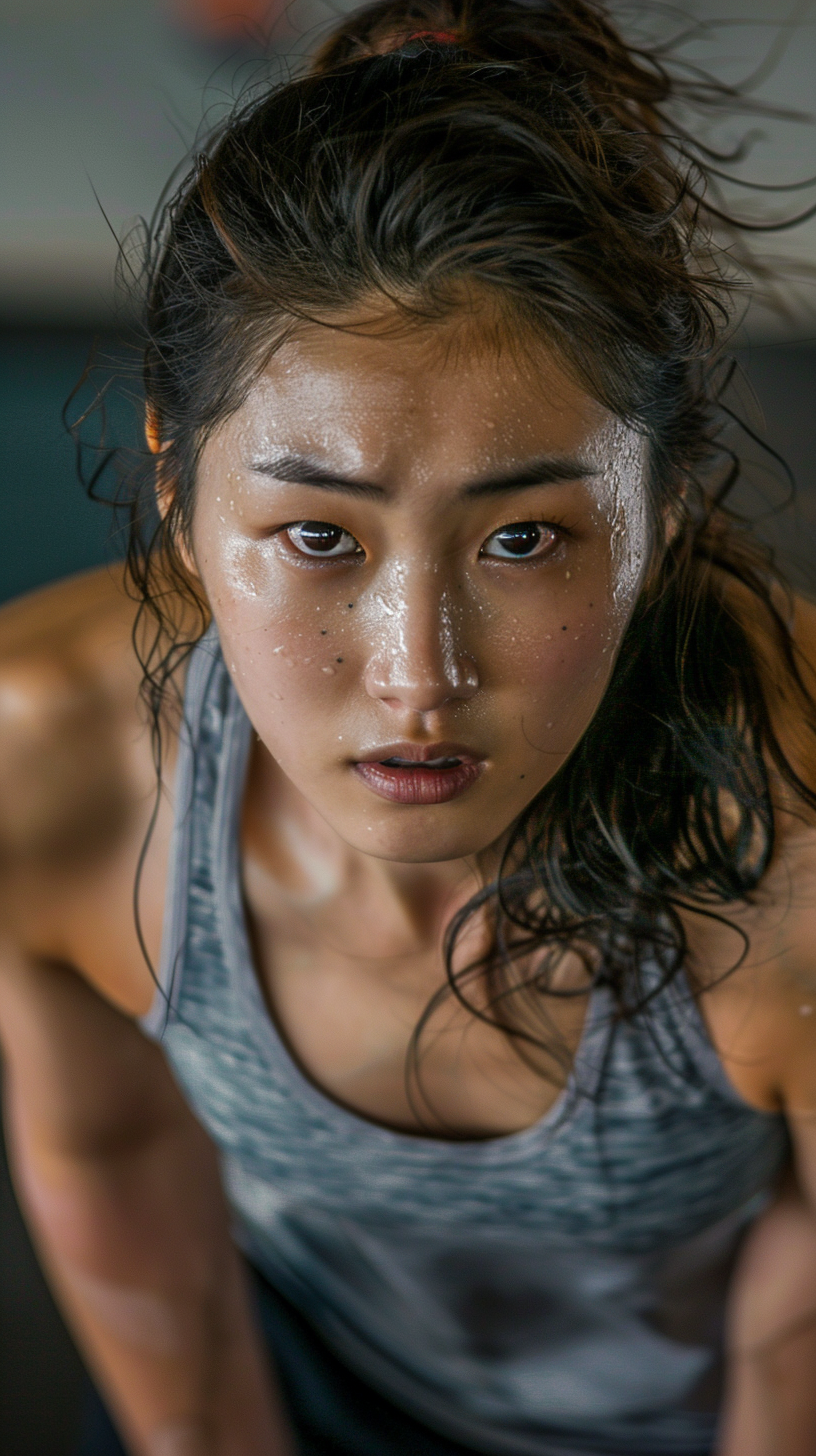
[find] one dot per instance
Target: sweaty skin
(420, 636)
(416, 457)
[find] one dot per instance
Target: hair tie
(439, 37)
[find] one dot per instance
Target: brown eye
(321, 538)
(519, 541)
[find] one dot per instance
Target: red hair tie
(440, 37)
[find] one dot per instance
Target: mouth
(411, 773)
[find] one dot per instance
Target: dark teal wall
(48, 528)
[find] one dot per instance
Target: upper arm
(76, 789)
(767, 1008)
(83, 1082)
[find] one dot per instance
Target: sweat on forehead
(385, 407)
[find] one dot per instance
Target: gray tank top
(556, 1292)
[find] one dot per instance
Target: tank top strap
(203, 765)
(683, 1015)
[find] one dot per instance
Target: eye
(520, 540)
(321, 538)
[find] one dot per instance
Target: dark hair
(533, 158)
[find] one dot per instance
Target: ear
(165, 488)
(152, 431)
(156, 446)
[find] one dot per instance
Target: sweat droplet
(329, 670)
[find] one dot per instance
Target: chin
(417, 842)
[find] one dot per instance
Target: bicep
(82, 1079)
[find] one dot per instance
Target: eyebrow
(546, 470)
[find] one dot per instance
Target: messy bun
(525, 150)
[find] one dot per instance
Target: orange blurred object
(229, 19)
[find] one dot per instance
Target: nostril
(423, 697)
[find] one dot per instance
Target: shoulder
(784, 651)
(68, 685)
(755, 964)
(755, 968)
(76, 773)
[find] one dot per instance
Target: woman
(478, 881)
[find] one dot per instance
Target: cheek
(559, 687)
(290, 653)
(553, 686)
(558, 655)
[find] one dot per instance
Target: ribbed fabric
(556, 1292)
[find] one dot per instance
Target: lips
(412, 773)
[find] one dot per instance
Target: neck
(403, 907)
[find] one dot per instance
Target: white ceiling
(101, 99)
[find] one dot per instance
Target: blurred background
(100, 102)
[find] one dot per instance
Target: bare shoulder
(755, 964)
(755, 969)
(78, 628)
(68, 702)
(84, 620)
(76, 774)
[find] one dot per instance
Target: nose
(418, 661)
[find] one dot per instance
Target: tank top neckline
(272, 1044)
(586, 1071)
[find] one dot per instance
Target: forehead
(458, 385)
(424, 410)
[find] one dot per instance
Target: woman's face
(421, 552)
